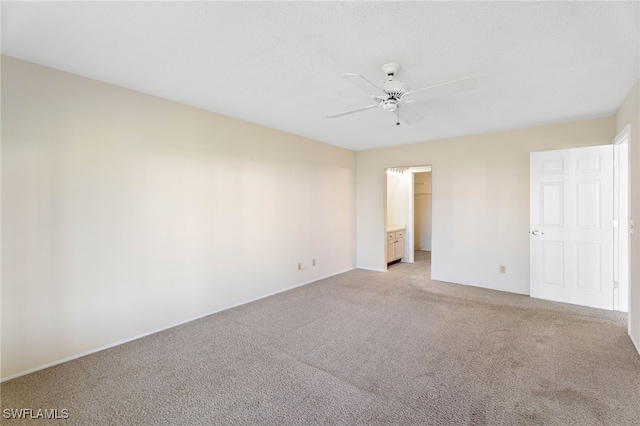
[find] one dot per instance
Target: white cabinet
(390, 250)
(395, 244)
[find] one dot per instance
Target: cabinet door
(398, 247)
(390, 252)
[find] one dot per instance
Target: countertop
(393, 228)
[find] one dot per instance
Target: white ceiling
(279, 63)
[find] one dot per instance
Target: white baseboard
(139, 336)
(370, 269)
(635, 343)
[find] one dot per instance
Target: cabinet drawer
(400, 234)
(391, 235)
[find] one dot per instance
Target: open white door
(571, 235)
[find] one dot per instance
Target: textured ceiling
(279, 63)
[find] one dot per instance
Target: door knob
(536, 232)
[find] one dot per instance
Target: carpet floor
(361, 348)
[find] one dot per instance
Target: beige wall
(398, 193)
(629, 114)
(123, 214)
(480, 200)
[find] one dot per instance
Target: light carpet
(362, 348)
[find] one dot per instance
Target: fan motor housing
(394, 88)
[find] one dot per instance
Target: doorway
(407, 212)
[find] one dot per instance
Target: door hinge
(615, 284)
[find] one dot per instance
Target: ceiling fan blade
(364, 84)
(447, 88)
(408, 115)
(354, 110)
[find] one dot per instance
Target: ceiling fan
(394, 95)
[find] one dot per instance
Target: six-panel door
(571, 226)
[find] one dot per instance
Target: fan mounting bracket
(390, 69)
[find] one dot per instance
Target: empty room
(305, 213)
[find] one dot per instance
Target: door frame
(622, 247)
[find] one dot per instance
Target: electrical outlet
(503, 269)
(299, 266)
(313, 262)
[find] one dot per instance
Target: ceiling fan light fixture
(390, 105)
(392, 93)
